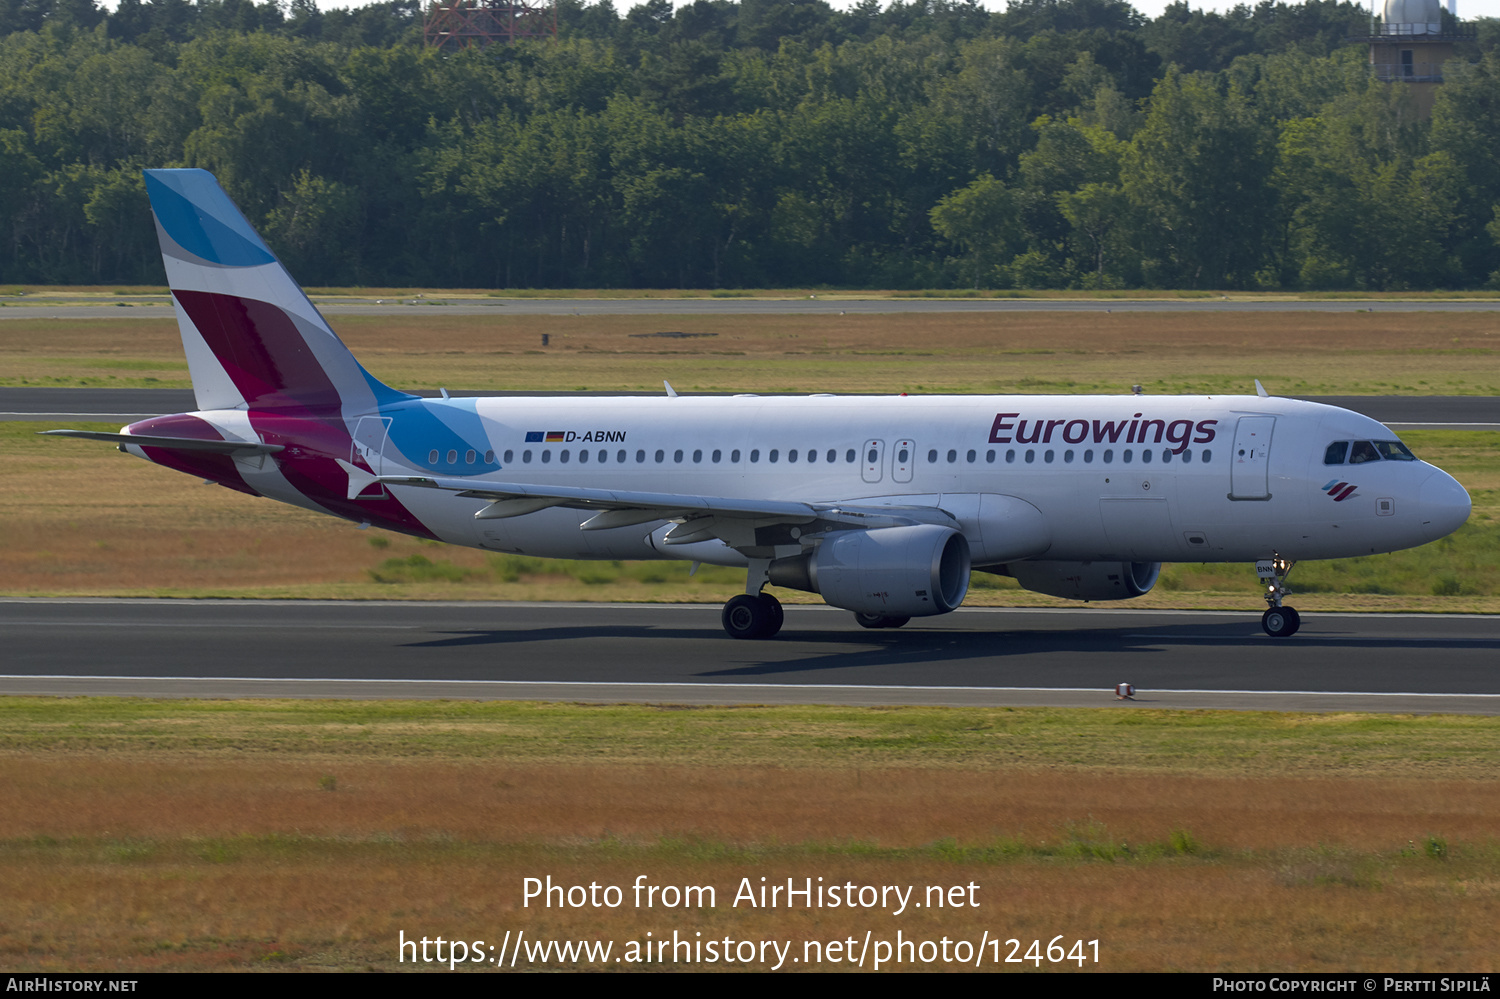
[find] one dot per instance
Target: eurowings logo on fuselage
(1338, 489)
(1134, 431)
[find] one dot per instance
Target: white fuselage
(1131, 478)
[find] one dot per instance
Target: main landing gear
(1277, 621)
(757, 616)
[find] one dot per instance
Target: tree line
(765, 143)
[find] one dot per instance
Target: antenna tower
(459, 24)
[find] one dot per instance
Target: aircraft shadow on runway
(1179, 650)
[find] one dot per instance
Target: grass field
(1292, 353)
(143, 835)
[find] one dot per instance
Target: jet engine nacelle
(914, 571)
(1087, 580)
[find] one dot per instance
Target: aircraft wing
(739, 522)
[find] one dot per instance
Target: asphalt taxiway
(1455, 412)
(809, 305)
(678, 654)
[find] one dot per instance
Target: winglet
(671, 392)
(1260, 390)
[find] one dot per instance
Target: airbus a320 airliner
(881, 505)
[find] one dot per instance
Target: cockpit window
(1394, 451)
(1336, 453)
(1362, 452)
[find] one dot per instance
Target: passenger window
(903, 456)
(1125, 456)
(603, 455)
(1030, 456)
(1187, 456)
(546, 456)
(526, 456)
(640, 456)
(564, 457)
(754, 455)
(677, 456)
(972, 456)
(1145, 456)
(989, 456)
(583, 456)
(508, 455)
(1362, 452)
(489, 457)
(775, 453)
(952, 456)
(432, 457)
(1109, 456)
(620, 456)
(734, 456)
(834, 456)
(1166, 456)
(791, 455)
(469, 456)
(932, 457)
(849, 456)
(453, 457)
(1336, 453)
(1048, 456)
(812, 454)
(1208, 456)
(1068, 457)
(1010, 456)
(661, 456)
(717, 455)
(1088, 456)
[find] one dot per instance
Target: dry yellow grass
(1351, 352)
(151, 863)
(164, 796)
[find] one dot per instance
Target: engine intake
(915, 571)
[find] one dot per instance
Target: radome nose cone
(1445, 506)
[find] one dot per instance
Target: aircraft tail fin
(252, 337)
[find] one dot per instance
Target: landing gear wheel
(752, 617)
(778, 616)
(1281, 622)
(879, 620)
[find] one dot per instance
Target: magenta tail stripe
(261, 348)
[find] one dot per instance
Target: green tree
(980, 219)
(1197, 176)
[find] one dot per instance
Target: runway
(678, 654)
(834, 304)
(1458, 412)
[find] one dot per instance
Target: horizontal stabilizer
(243, 448)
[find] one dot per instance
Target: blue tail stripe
(199, 216)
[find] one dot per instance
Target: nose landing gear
(1278, 621)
